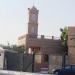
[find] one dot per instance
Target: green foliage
(6, 47)
(20, 49)
(64, 38)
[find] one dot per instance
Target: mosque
(42, 53)
(44, 48)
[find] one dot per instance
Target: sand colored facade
(45, 46)
(71, 45)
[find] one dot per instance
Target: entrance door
(45, 63)
(45, 60)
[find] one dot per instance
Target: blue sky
(53, 15)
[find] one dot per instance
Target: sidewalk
(6, 72)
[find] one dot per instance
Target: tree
(19, 49)
(64, 38)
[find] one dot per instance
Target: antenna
(36, 3)
(33, 3)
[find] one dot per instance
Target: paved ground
(5, 72)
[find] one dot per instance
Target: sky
(53, 15)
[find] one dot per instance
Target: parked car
(68, 70)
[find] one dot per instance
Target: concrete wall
(1, 59)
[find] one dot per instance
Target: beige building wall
(71, 45)
(21, 40)
(47, 46)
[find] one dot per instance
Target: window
(0, 54)
(46, 58)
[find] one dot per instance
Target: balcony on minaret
(31, 36)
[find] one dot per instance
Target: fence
(32, 62)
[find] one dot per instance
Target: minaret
(33, 21)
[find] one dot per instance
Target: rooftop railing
(44, 37)
(47, 37)
(39, 37)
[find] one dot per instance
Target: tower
(33, 21)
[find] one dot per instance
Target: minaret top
(33, 9)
